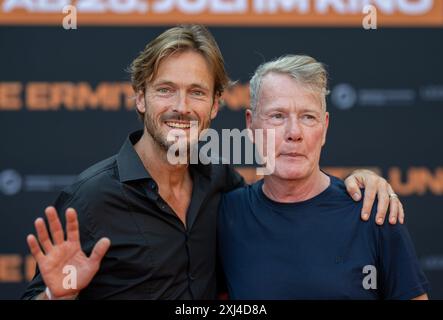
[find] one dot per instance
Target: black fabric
(152, 254)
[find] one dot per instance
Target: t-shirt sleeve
(401, 275)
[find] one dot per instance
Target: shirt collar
(130, 166)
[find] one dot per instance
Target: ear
(248, 116)
(326, 128)
(215, 106)
(140, 102)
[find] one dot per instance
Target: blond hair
(305, 69)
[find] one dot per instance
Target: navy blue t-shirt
(314, 249)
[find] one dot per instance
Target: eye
(163, 90)
(309, 119)
(198, 93)
(277, 116)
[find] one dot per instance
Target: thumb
(100, 249)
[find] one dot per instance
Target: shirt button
(192, 278)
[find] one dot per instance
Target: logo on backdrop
(400, 13)
(118, 96)
(12, 182)
(345, 96)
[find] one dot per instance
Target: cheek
(268, 133)
(279, 134)
(314, 141)
(156, 107)
(204, 110)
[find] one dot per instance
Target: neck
(281, 190)
(155, 160)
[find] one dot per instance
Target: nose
(293, 130)
(181, 106)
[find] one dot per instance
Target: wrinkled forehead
(283, 91)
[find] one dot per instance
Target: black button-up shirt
(152, 254)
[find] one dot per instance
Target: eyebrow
(284, 109)
(276, 108)
(172, 84)
(309, 110)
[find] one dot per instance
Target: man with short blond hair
(297, 234)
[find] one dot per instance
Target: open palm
(64, 267)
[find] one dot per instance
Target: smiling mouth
(178, 124)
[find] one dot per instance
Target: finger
(54, 225)
(368, 199)
(42, 234)
(353, 189)
(401, 212)
(72, 225)
(34, 247)
(394, 210)
(100, 249)
(383, 203)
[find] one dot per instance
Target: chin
(291, 172)
(291, 175)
